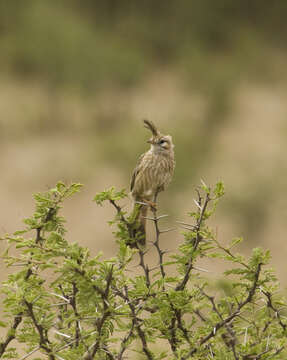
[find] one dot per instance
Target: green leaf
(219, 189)
(205, 187)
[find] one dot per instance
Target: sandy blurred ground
(48, 136)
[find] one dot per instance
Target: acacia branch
(125, 340)
(226, 321)
(230, 340)
(105, 314)
(73, 303)
(272, 307)
(144, 266)
(122, 218)
(189, 266)
(11, 334)
(44, 342)
(157, 237)
(136, 321)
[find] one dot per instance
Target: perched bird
(152, 174)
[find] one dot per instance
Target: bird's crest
(150, 125)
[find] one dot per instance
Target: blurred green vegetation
(92, 44)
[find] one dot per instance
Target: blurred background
(77, 78)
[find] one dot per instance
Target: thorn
(183, 223)
(203, 183)
(149, 218)
(61, 297)
(58, 304)
(200, 269)
(30, 353)
(62, 334)
(197, 204)
(186, 227)
(267, 343)
(155, 218)
(162, 216)
(167, 230)
(166, 251)
(211, 352)
(245, 336)
(141, 203)
(106, 302)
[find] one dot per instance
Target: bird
(152, 174)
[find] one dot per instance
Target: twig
(227, 320)
(11, 334)
(30, 353)
(156, 242)
(232, 340)
(43, 341)
(276, 311)
(121, 216)
(125, 340)
(74, 340)
(144, 266)
(180, 286)
(136, 321)
(105, 314)
(73, 303)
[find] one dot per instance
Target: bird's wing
(137, 170)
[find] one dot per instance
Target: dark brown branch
(226, 321)
(230, 340)
(73, 303)
(272, 307)
(198, 238)
(136, 321)
(109, 354)
(128, 225)
(105, 314)
(43, 338)
(140, 332)
(156, 242)
(200, 315)
(259, 356)
(125, 340)
(144, 267)
(185, 332)
(11, 334)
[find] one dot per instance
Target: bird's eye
(162, 142)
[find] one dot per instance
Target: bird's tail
(139, 225)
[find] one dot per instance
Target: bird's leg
(153, 204)
(146, 202)
(155, 195)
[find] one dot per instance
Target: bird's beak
(149, 141)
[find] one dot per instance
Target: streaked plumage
(153, 173)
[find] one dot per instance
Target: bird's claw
(153, 205)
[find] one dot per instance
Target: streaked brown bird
(152, 174)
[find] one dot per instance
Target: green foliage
(66, 304)
(110, 195)
(95, 43)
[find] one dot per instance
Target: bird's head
(159, 143)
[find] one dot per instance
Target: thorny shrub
(63, 303)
